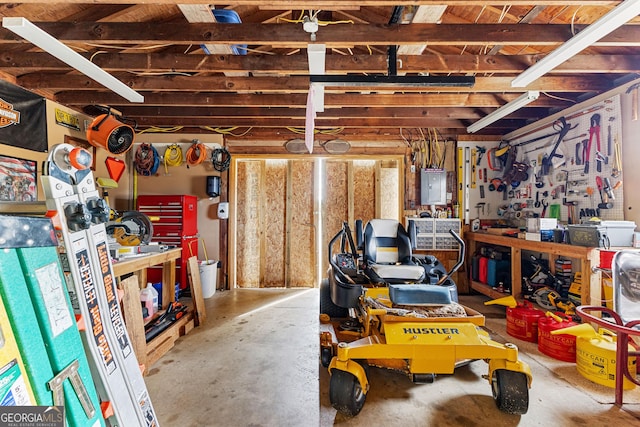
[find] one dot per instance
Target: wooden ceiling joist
(297, 64)
(347, 35)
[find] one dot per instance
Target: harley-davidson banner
(23, 118)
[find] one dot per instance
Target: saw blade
(541, 297)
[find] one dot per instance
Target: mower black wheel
(510, 391)
(326, 304)
(424, 378)
(326, 354)
(345, 393)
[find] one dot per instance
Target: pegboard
(568, 178)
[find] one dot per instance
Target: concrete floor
(255, 363)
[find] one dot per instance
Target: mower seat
(387, 253)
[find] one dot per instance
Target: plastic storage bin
(620, 233)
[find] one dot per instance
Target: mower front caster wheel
(345, 393)
(326, 354)
(510, 391)
(326, 304)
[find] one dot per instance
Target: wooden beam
(320, 123)
(348, 5)
(332, 113)
(335, 64)
(300, 84)
(332, 100)
(348, 35)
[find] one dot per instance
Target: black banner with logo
(23, 118)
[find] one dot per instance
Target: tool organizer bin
(433, 233)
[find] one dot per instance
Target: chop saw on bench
(131, 231)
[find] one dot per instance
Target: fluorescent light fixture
(25, 29)
(505, 110)
(618, 16)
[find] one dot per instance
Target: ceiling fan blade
(316, 53)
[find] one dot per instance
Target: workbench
(149, 353)
(587, 258)
(139, 264)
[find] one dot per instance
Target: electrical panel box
(433, 187)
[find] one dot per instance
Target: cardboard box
(534, 225)
(533, 236)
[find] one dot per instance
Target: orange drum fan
(111, 133)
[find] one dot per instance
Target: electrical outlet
(413, 168)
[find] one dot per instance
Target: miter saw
(130, 228)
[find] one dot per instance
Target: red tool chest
(175, 224)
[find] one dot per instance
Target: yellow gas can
(596, 355)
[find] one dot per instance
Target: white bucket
(208, 277)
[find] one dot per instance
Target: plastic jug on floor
(149, 299)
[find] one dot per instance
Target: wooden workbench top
(561, 249)
(129, 265)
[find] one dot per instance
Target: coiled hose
(196, 154)
(221, 159)
(172, 157)
(146, 160)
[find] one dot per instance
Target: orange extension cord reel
(107, 132)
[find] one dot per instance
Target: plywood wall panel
(274, 192)
(389, 198)
(302, 260)
(335, 209)
(364, 178)
(248, 224)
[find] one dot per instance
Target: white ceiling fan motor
(310, 25)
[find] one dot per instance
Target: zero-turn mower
(382, 306)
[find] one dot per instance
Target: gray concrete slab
(255, 363)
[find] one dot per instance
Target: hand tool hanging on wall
(580, 149)
(616, 168)
(571, 206)
(600, 158)
(563, 129)
(594, 129)
(609, 139)
(602, 204)
(481, 151)
(493, 160)
(608, 189)
(544, 208)
(473, 167)
(633, 89)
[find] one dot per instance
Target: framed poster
(18, 180)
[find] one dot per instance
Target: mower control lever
(461, 254)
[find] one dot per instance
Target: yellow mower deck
(417, 346)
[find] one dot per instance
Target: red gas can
(560, 346)
(522, 321)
